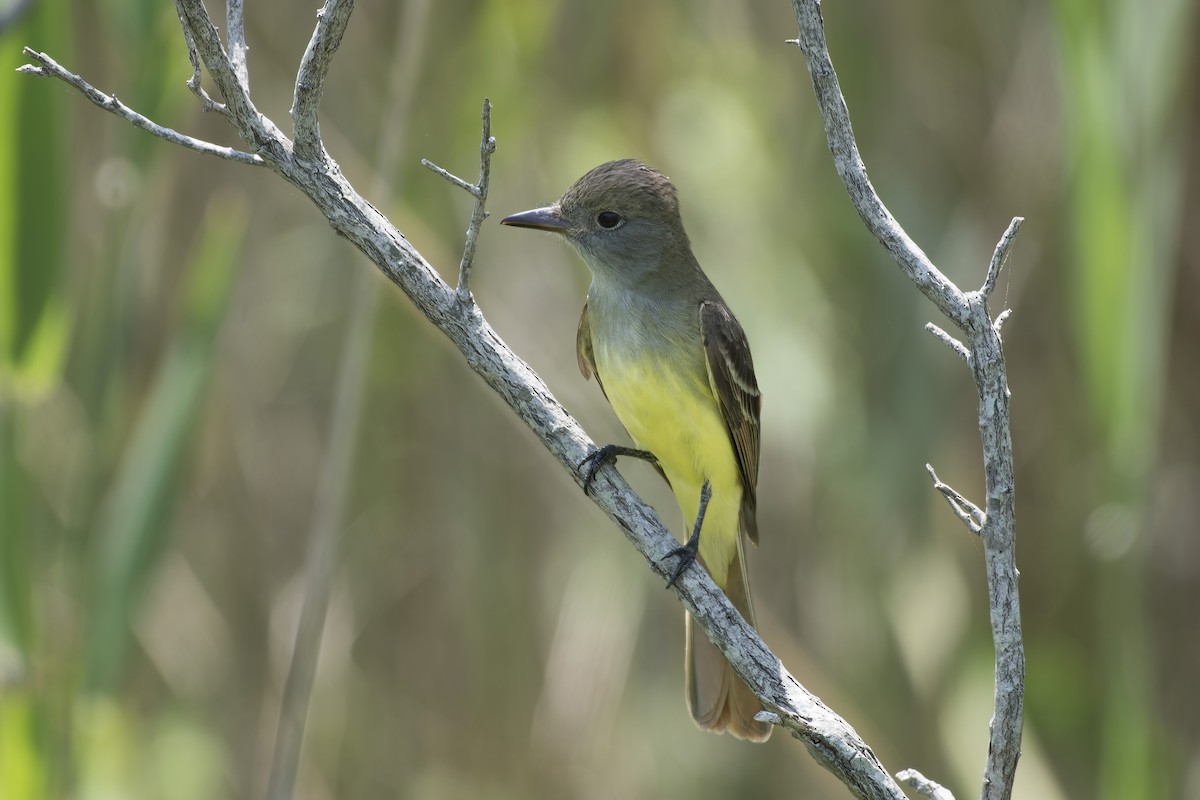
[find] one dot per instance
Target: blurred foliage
(170, 335)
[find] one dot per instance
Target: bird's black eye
(608, 219)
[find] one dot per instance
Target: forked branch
(984, 354)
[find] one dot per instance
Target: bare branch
(958, 347)
(1001, 318)
(487, 146)
(963, 508)
(235, 36)
(314, 67)
(923, 786)
(846, 159)
(470, 188)
(194, 82)
(51, 69)
(1000, 256)
(968, 311)
(255, 130)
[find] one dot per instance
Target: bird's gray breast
(636, 324)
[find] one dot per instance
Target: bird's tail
(716, 696)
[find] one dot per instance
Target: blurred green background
(174, 383)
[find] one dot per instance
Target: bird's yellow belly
(678, 420)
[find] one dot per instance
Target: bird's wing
(731, 376)
(583, 350)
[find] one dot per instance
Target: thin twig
(310, 80)
(958, 347)
(849, 164)
(1001, 318)
(471, 188)
(235, 37)
(487, 146)
(194, 82)
(1000, 256)
(923, 786)
(51, 69)
(963, 508)
(254, 128)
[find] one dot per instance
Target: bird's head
(622, 217)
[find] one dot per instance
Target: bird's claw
(607, 454)
(687, 555)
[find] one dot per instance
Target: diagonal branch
(1000, 256)
(849, 164)
(957, 347)
(256, 130)
(923, 786)
(51, 69)
(963, 508)
(194, 82)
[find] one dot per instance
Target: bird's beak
(544, 219)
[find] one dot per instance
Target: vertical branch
(984, 355)
(310, 80)
(202, 37)
(998, 533)
(193, 83)
(487, 146)
(235, 38)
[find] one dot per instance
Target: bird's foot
(687, 553)
(608, 455)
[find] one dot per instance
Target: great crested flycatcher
(675, 366)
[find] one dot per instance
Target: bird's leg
(608, 455)
(687, 553)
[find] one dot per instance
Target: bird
(675, 366)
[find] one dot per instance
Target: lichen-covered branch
(48, 67)
(984, 354)
(923, 786)
(479, 190)
(332, 20)
(235, 35)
